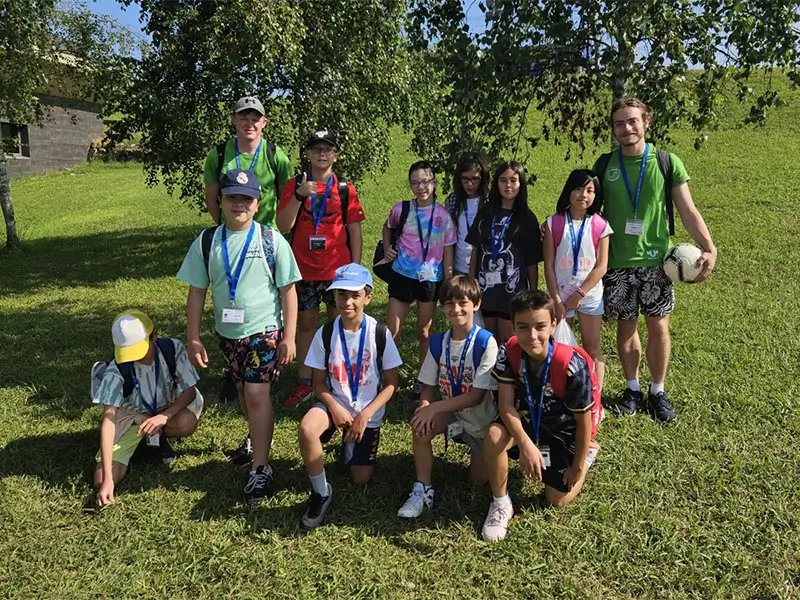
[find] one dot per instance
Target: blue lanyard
(422, 243)
(233, 280)
(537, 411)
(576, 242)
(153, 410)
(323, 204)
(497, 240)
(642, 169)
(455, 383)
(354, 379)
(255, 156)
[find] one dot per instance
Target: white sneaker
(591, 456)
(418, 501)
(495, 526)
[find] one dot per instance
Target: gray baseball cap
(248, 103)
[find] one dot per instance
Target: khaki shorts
(126, 436)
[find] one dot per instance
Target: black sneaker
(243, 455)
(165, 449)
(659, 408)
(259, 485)
(629, 403)
(317, 509)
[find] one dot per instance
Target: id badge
(454, 430)
(545, 452)
(426, 273)
(634, 227)
(567, 289)
(317, 242)
(233, 315)
(494, 278)
(153, 441)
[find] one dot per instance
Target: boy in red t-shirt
(325, 236)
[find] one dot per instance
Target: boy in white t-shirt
(460, 363)
(350, 357)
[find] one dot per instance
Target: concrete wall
(62, 141)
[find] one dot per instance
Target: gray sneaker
(317, 509)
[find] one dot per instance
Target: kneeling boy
(146, 392)
(460, 363)
(349, 357)
(551, 429)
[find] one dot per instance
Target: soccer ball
(680, 263)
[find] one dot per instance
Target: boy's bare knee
(361, 475)
(556, 498)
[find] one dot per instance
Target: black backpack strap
(205, 243)
(126, 370)
(599, 170)
(167, 348)
(273, 165)
(380, 345)
(404, 210)
(220, 158)
(344, 199)
(327, 335)
(665, 166)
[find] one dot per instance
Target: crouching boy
(147, 393)
(354, 372)
(460, 363)
(551, 429)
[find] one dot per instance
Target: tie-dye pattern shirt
(409, 261)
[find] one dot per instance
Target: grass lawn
(706, 508)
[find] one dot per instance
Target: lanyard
(152, 409)
(255, 156)
(354, 379)
(422, 243)
(455, 383)
(497, 241)
(536, 412)
(642, 169)
(233, 279)
(323, 204)
(576, 242)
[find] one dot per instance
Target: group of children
(506, 389)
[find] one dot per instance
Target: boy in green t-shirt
(251, 272)
(248, 150)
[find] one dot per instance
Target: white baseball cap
(131, 334)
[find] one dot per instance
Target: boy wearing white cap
(354, 362)
(142, 398)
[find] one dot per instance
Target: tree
(43, 44)
(340, 65)
(570, 58)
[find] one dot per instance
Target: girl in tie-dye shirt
(423, 256)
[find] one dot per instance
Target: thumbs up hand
(306, 187)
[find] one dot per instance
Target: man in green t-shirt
(249, 151)
(634, 204)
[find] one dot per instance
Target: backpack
(482, 337)
(167, 348)
(273, 165)
(267, 241)
(380, 343)
(384, 270)
(559, 220)
(562, 354)
(344, 199)
(664, 165)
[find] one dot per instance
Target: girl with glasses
(470, 193)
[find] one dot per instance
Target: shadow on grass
(95, 259)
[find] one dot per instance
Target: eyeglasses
(422, 183)
(322, 149)
(475, 179)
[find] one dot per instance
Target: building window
(14, 140)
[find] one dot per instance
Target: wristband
(581, 292)
(299, 197)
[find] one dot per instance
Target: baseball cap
(131, 334)
(238, 181)
(323, 135)
(352, 277)
(248, 103)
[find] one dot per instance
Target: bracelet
(300, 198)
(581, 292)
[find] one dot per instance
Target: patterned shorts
(625, 290)
(311, 293)
(253, 359)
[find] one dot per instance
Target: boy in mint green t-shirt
(251, 272)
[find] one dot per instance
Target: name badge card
(233, 315)
(317, 242)
(494, 278)
(545, 452)
(426, 273)
(454, 430)
(634, 227)
(153, 440)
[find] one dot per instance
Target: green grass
(706, 508)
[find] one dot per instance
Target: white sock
(633, 385)
(655, 388)
(319, 483)
(502, 501)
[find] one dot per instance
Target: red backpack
(562, 354)
(559, 220)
